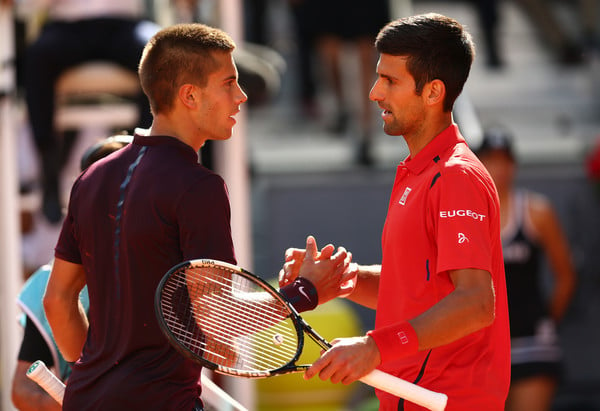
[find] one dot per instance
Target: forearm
(27, 395)
(561, 297)
(457, 315)
(367, 286)
(69, 325)
(564, 282)
(35, 399)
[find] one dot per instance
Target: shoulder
(539, 208)
(207, 177)
(203, 184)
(462, 165)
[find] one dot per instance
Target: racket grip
(225, 401)
(432, 400)
(46, 379)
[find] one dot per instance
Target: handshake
(332, 274)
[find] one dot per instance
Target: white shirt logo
(462, 213)
(407, 191)
(462, 238)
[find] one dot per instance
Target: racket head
(228, 320)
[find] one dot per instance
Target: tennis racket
(229, 320)
(46, 379)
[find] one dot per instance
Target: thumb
(311, 248)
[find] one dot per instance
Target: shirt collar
(433, 150)
(154, 140)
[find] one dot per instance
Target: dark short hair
(496, 139)
(103, 148)
(436, 47)
(176, 55)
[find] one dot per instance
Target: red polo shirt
(444, 215)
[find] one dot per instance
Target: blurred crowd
(54, 37)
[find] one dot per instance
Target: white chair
(96, 99)
(96, 94)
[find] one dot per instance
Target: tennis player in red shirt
(439, 293)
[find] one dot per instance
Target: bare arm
(27, 395)
(367, 286)
(64, 311)
(556, 247)
(469, 308)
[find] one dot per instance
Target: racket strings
(230, 318)
(256, 306)
(230, 321)
(241, 288)
(242, 308)
(279, 340)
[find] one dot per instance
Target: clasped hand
(333, 275)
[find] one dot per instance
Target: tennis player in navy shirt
(138, 212)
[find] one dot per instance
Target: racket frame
(299, 324)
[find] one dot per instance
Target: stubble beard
(392, 128)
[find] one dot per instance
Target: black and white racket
(229, 320)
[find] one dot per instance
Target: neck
(164, 126)
(430, 129)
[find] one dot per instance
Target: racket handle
(432, 400)
(46, 379)
(221, 400)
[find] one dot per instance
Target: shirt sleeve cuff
(395, 341)
(302, 294)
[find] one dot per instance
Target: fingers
(312, 252)
(346, 361)
(295, 259)
(326, 252)
(340, 256)
(289, 272)
(299, 253)
(317, 367)
(330, 366)
(294, 254)
(348, 280)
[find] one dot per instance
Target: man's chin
(391, 131)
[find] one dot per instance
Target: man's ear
(435, 92)
(188, 96)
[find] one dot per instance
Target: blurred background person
(74, 32)
(302, 13)
(488, 12)
(566, 46)
(530, 230)
(567, 42)
(37, 342)
(331, 25)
